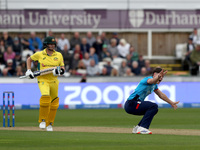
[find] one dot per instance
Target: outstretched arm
(157, 77)
(166, 99)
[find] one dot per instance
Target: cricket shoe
(42, 125)
(134, 131)
(142, 130)
(49, 128)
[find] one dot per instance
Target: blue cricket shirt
(143, 89)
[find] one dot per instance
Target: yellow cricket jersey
(45, 61)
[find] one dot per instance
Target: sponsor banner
(98, 19)
(90, 94)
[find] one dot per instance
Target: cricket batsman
(48, 84)
(136, 105)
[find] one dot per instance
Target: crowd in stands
(83, 56)
(192, 55)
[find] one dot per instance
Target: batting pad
(53, 109)
(44, 107)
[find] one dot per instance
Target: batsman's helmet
(49, 40)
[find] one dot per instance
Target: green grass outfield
(61, 140)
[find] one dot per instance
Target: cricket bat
(40, 72)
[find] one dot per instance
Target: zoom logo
(108, 94)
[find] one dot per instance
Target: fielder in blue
(136, 105)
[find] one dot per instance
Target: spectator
(148, 67)
(134, 54)
(35, 44)
(19, 71)
(104, 72)
(84, 46)
(81, 69)
(123, 68)
(9, 54)
(104, 39)
(7, 39)
(62, 41)
(195, 59)
(108, 66)
(93, 55)
(17, 48)
(74, 64)
(57, 48)
(105, 53)
(75, 40)
(2, 50)
(115, 36)
(190, 48)
(26, 53)
(114, 72)
(123, 48)
(66, 56)
(143, 71)
(113, 48)
(195, 36)
(90, 38)
(128, 60)
(86, 59)
(50, 33)
(2, 46)
(141, 62)
(24, 69)
(9, 70)
(18, 58)
(92, 69)
(129, 73)
(23, 42)
(98, 44)
(135, 68)
(77, 49)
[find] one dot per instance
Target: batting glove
(29, 74)
(58, 71)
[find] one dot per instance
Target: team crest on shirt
(55, 59)
(43, 65)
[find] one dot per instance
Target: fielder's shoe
(135, 129)
(49, 128)
(42, 125)
(142, 130)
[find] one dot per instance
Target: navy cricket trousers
(146, 108)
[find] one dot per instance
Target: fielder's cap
(114, 33)
(9, 61)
